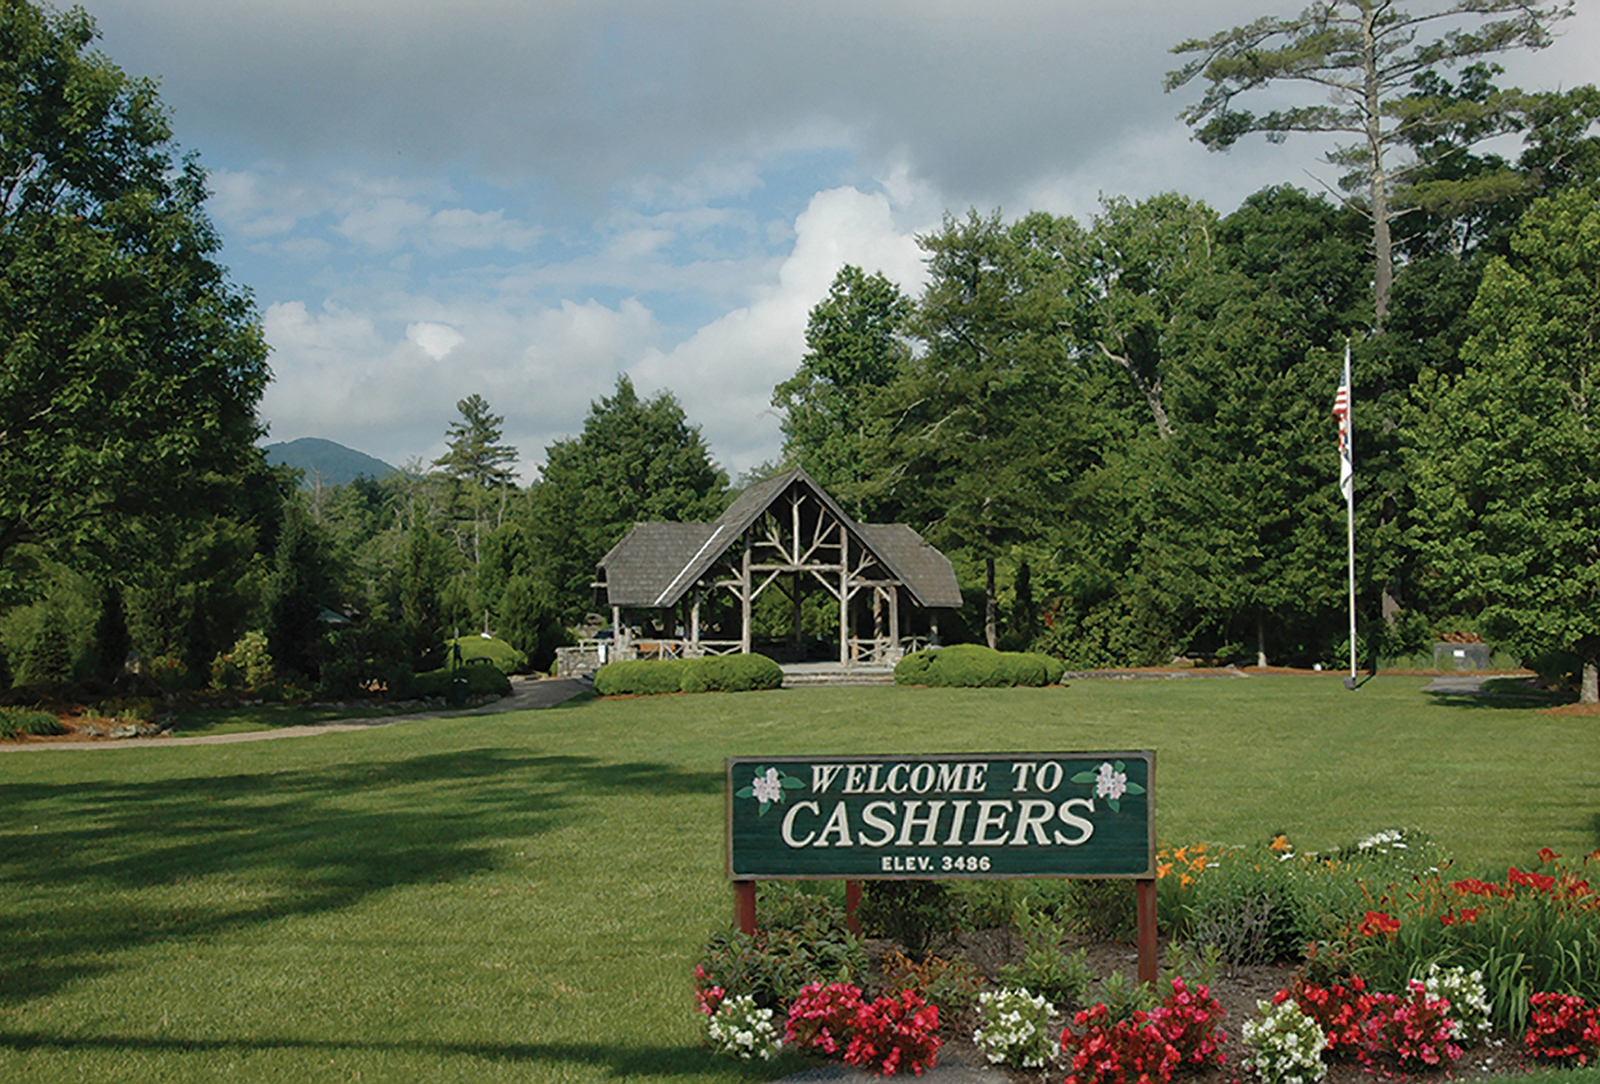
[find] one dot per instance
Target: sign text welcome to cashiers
(973, 815)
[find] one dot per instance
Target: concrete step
(811, 678)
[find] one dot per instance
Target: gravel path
(526, 694)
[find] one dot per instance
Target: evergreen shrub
(713, 674)
(976, 666)
(731, 674)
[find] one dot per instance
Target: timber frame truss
(798, 544)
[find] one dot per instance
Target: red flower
(1546, 856)
(1537, 881)
(1379, 922)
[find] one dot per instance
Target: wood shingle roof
(655, 564)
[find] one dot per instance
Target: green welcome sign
(968, 815)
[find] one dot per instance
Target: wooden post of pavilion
(844, 597)
(744, 597)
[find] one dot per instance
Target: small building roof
(655, 564)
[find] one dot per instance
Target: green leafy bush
(803, 939)
(731, 674)
(1249, 909)
(482, 680)
(640, 677)
(247, 664)
(976, 666)
(1104, 909)
(15, 722)
(917, 914)
(1047, 968)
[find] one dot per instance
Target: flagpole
(1350, 513)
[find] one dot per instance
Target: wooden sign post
(971, 816)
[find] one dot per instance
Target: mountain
(333, 464)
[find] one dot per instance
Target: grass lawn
(237, 719)
(521, 897)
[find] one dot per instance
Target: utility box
(1449, 656)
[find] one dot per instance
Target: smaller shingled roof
(915, 562)
(649, 559)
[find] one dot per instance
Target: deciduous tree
(855, 345)
(636, 459)
(131, 367)
(975, 443)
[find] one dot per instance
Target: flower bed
(1395, 986)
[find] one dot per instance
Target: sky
(526, 199)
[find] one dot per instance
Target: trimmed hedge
(482, 680)
(640, 677)
(732, 674)
(976, 666)
(712, 674)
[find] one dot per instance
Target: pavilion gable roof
(655, 564)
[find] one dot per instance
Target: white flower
(740, 1029)
(1015, 1028)
(1286, 1044)
(766, 787)
(1110, 783)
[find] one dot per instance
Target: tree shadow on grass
(1502, 692)
(620, 1061)
(246, 849)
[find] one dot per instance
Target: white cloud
(724, 373)
(384, 224)
(339, 375)
(459, 228)
(1142, 163)
(436, 340)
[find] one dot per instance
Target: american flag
(1341, 411)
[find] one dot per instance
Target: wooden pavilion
(888, 583)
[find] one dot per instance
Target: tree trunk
(1261, 640)
(1150, 389)
(1590, 693)
(1378, 180)
(989, 630)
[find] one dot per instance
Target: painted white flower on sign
(1110, 783)
(767, 788)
